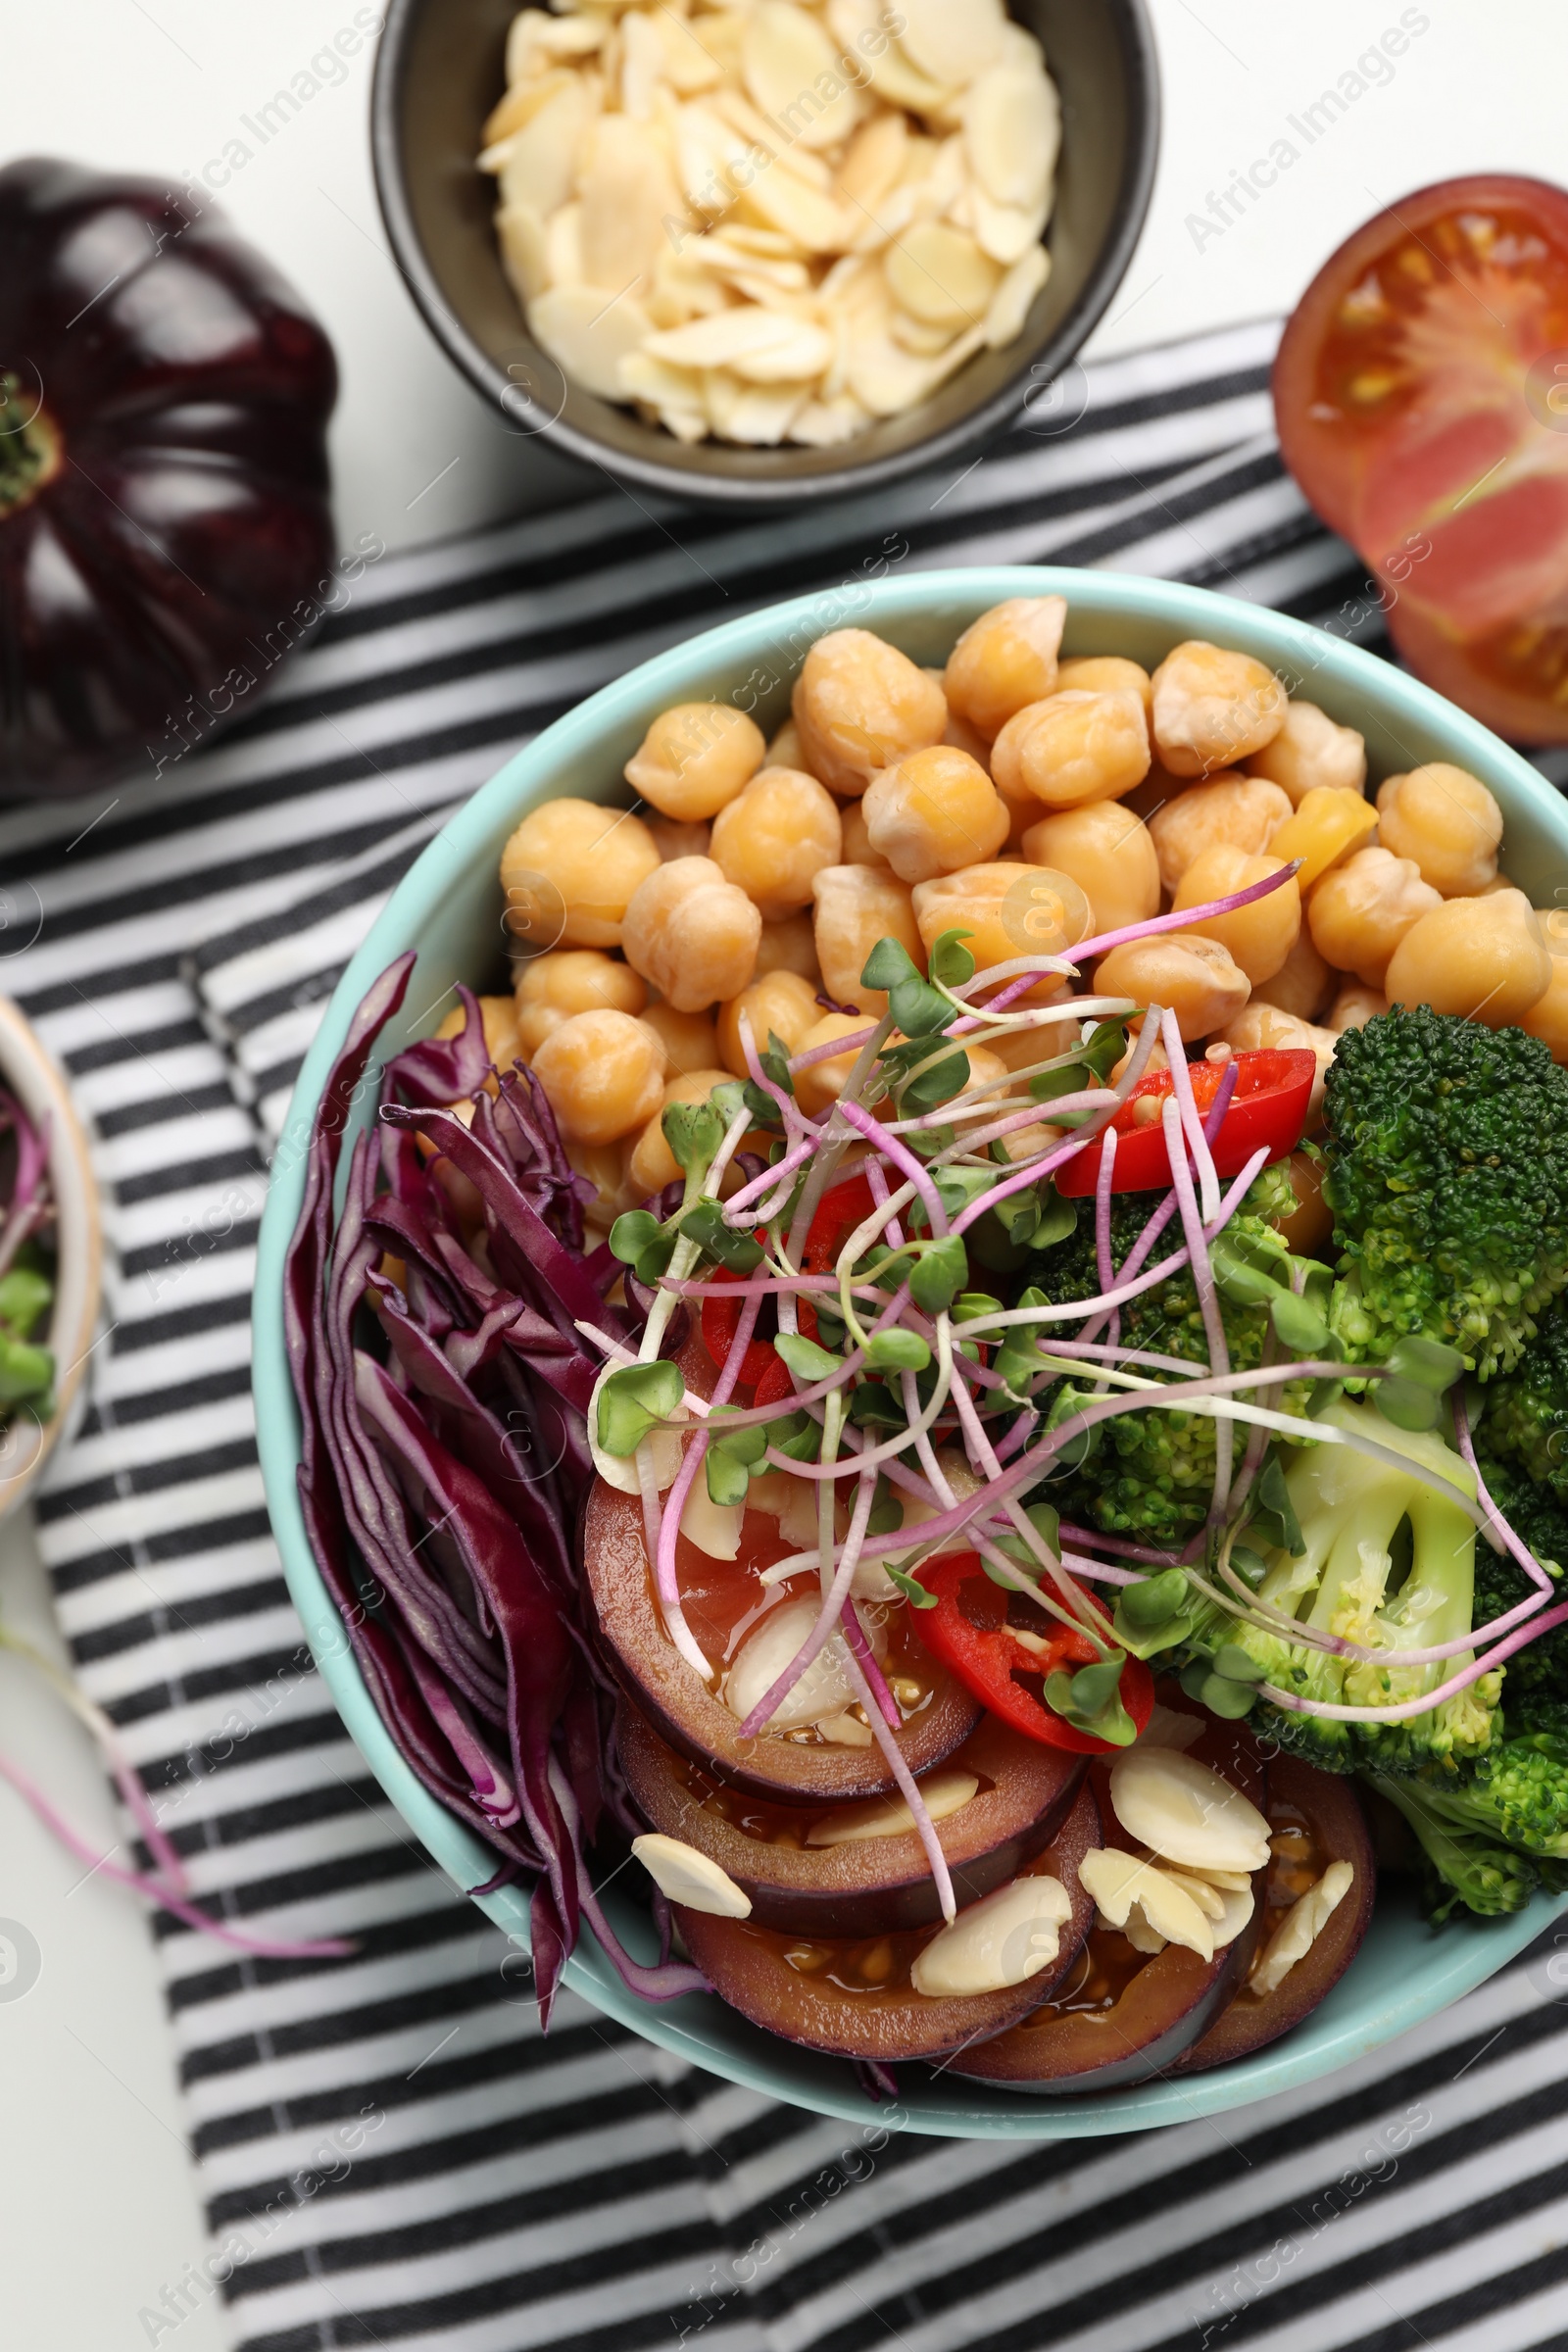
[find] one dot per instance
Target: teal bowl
(449, 908)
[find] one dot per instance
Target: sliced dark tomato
(1421, 395)
(1273, 1088)
(970, 1631)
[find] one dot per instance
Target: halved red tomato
(1421, 395)
(1273, 1088)
(970, 1631)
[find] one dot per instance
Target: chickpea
(860, 704)
(603, 1074)
(775, 836)
(1073, 748)
(549, 988)
(672, 840)
(1107, 673)
(856, 906)
(1006, 658)
(1553, 921)
(1214, 708)
(1264, 1027)
(935, 811)
(1447, 821)
(1353, 1006)
(1310, 750)
(1484, 957)
(1242, 811)
(782, 1002)
(604, 1165)
(819, 1087)
(1548, 1017)
(789, 947)
(1108, 853)
(689, 1039)
(1191, 973)
(1008, 911)
(568, 873)
(1259, 935)
(695, 758)
(1021, 1048)
(1304, 983)
(1360, 911)
(502, 1042)
(986, 1070)
(692, 934)
(785, 749)
(1327, 826)
(857, 849)
(652, 1163)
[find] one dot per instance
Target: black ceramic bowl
(439, 72)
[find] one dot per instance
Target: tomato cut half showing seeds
(1273, 1089)
(976, 1631)
(1421, 395)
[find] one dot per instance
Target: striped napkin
(388, 2151)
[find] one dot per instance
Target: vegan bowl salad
(972, 1364)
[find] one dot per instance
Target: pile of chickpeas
(1033, 801)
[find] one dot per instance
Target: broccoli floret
(1150, 1475)
(1535, 1692)
(1465, 1865)
(1525, 1416)
(1447, 1175)
(1386, 1561)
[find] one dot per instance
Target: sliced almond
(627, 198)
(874, 160)
(524, 250)
(916, 335)
(563, 246)
(691, 1877)
(824, 425)
(1006, 231)
(713, 1527)
(1185, 1812)
(727, 336)
(687, 424)
(701, 150)
(945, 1792)
(658, 383)
(1012, 129)
(1208, 1899)
(689, 64)
(1168, 1727)
(541, 160)
(939, 274)
(1009, 304)
(1301, 1928)
(551, 36)
(642, 64)
(721, 252)
(800, 360)
(761, 416)
(778, 198)
(588, 333)
(1004, 1939)
(952, 40)
(846, 1731)
(1119, 1884)
(793, 75)
(1239, 1903)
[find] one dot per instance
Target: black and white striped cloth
(388, 2151)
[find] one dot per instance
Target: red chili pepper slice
(969, 1632)
(721, 1320)
(774, 1386)
(1273, 1088)
(838, 1213)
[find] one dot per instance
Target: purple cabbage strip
(442, 1384)
(31, 1207)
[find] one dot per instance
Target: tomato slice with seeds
(1273, 1090)
(973, 1631)
(1421, 395)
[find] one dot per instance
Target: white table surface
(96, 2192)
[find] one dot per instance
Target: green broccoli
(1535, 1692)
(1465, 1865)
(1387, 1561)
(1523, 1419)
(1150, 1475)
(1447, 1175)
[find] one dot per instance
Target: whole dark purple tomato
(165, 523)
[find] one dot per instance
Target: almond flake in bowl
(776, 222)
